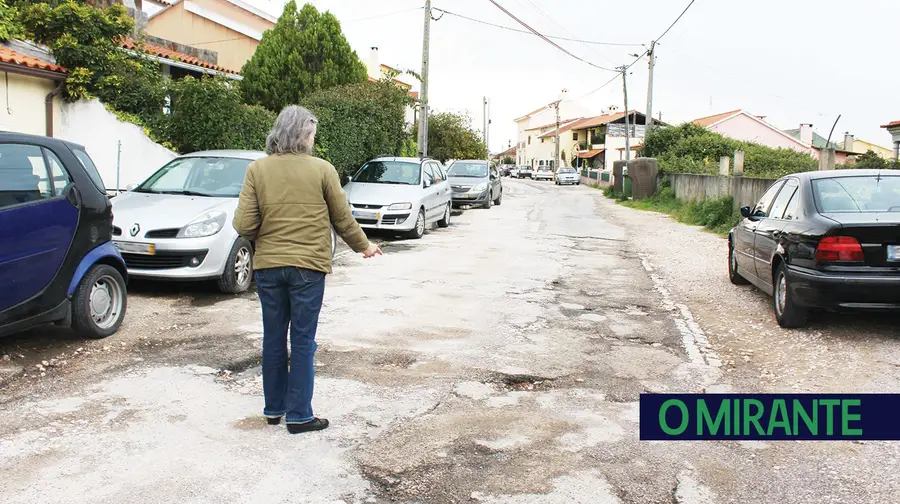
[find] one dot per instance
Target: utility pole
(487, 127)
(624, 71)
(423, 115)
(652, 53)
(556, 159)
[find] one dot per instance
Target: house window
(575, 136)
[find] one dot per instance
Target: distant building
(746, 127)
(538, 122)
(403, 80)
(600, 140)
(231, 28)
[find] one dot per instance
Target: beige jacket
(285, 207)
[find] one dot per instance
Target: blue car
(57, 261)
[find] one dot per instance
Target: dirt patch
(522, 382)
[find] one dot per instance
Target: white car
(176, 225)
(400, 194)
(514, 172)
(543, 172)
(567, 176)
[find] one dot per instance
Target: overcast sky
(793, 61)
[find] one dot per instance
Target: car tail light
(841, 249)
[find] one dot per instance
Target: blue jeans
(290, 297)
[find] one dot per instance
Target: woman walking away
(287, 203)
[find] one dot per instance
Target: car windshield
(566, 170)
(871, 193)
(477, 170)
(389, 172)
(199, 176)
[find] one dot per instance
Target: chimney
(374, 63)
(848, 141)
(806, 133)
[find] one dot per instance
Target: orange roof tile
(589, 154)
(893, 124)
(593, 122)
(561, 124)
(167, 53)
(710, 120)
(7, 55)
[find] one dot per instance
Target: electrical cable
(509, 28)
(542, 36)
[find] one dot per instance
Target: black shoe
(316, 424)
(273, 421)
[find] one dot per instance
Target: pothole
(522, 382)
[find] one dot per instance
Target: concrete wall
(23, 109)
(89, 123)
(746, 191)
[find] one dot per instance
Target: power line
(564, 30)
(509, 28)
(554, 44)
(607, 83)
(676, 20)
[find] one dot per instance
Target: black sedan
(822, 240)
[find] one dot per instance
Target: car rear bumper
(816, 289)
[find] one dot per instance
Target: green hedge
(208, 113)
(689, 148)
(358, 122)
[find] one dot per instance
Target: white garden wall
(89, 123)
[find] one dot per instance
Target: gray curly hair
(294, 132)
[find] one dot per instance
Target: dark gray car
(474, 183)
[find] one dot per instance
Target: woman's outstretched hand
(372, 251)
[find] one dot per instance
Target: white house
(531, 151)
(402, 79)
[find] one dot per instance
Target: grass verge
(717, 215)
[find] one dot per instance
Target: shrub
(194, 125)
(689, 148)
(359, 121)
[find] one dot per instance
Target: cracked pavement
(497, 361)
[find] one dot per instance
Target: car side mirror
(745, 212)
(347, 179)
(130, 187)
(426, 183)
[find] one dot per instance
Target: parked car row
(408, 195)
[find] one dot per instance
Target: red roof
(164, 52)
(589, 154)
(710, 120)
(893, 124)
(7, 55)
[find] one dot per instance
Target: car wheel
(787, 313)
(489, 203)
(418, 231)
(98, 306)
(238, 268)
(499, 199)
(445, 222)
(733, 274)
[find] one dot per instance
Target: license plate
(136, 248)
(893, 253)
(366, 215)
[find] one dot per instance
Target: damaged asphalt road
(497, 361)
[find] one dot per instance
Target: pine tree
(304, 52)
